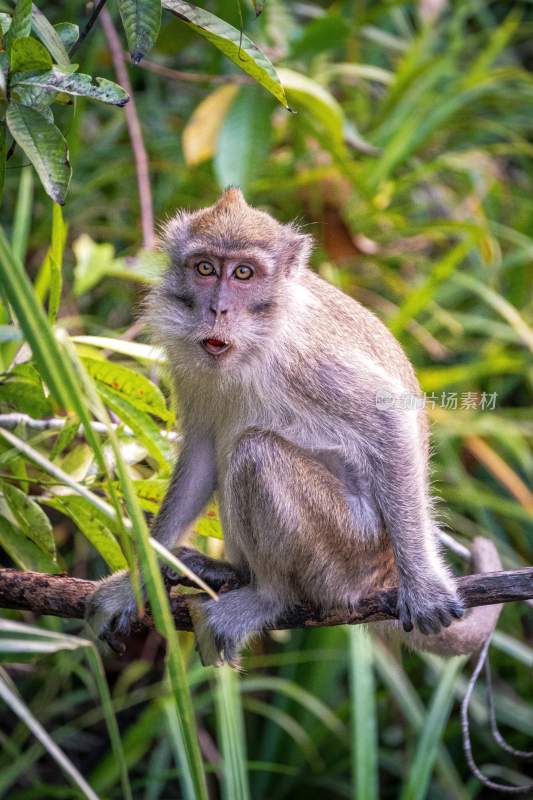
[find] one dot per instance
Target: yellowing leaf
(136, 388)
(200, 134)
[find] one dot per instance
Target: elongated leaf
(308, 95)
(59, 234)
(248, 123)
(22, 390)
(31, 519)
(133, 386)
(22, 551)
(141, 20)
(234, 44)
(23, 211)
(44, 145)
(61, 79)
(150, 493)
(28, 54)
(21, 24)
(143, 352)
(5, 22)
(48, 36)
(3, 151)
(231, 735)
(364, 724)
(12, 699)
(143, 425)
(426, 752)
(200, 134)
(94, 525)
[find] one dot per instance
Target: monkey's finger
(427, 624)
(445, 618)
(456, 609)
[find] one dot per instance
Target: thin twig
(88, 27)
(191, 77)
(134, 129)
(9, 422)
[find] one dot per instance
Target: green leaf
(248, 123)
(421, 766)
(3, 137)
(68, 33)
(141, 20)
(234, 44)
(94, 525)
(46, 32)
(209, 523)
(365, 772)
(143, 425)
(93, 262)
(61, 79)
(59, 235)
(22, 551)
(28, 54)
(31, 519)
(231, 734)
(22, 390)
(150, 493)
(44, 145)
(21, 24)
(134, 387)
(66, 436)
(316, 101)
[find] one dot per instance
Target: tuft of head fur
(231, 225)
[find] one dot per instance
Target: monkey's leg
(289, 516)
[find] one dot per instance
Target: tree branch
(68, 597)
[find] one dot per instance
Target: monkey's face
(221, 306)
(221, 302)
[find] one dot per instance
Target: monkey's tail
(468, 634)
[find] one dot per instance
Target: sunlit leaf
(28, 54)
(136, 388)
(200, 134)
(94, 525)
(68, 32)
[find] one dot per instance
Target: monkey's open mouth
(215, 346)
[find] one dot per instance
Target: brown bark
(68, 597)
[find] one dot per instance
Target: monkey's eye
(204, 268)
(243, 273)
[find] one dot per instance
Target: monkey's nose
(218, 311)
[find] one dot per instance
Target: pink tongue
(215, 343)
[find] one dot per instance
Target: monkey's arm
(192, 484)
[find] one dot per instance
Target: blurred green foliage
(408, 155)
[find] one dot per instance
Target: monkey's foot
(212, 649)
(429, 607)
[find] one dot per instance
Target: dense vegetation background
(410, 158)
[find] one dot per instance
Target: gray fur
(324, 496)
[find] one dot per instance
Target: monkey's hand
(112, 608)
(429, 603)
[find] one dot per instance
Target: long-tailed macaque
(292, 400)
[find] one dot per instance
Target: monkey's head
(227, 283)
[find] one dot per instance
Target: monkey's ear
(297, 249)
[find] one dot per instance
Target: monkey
(292, 404)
